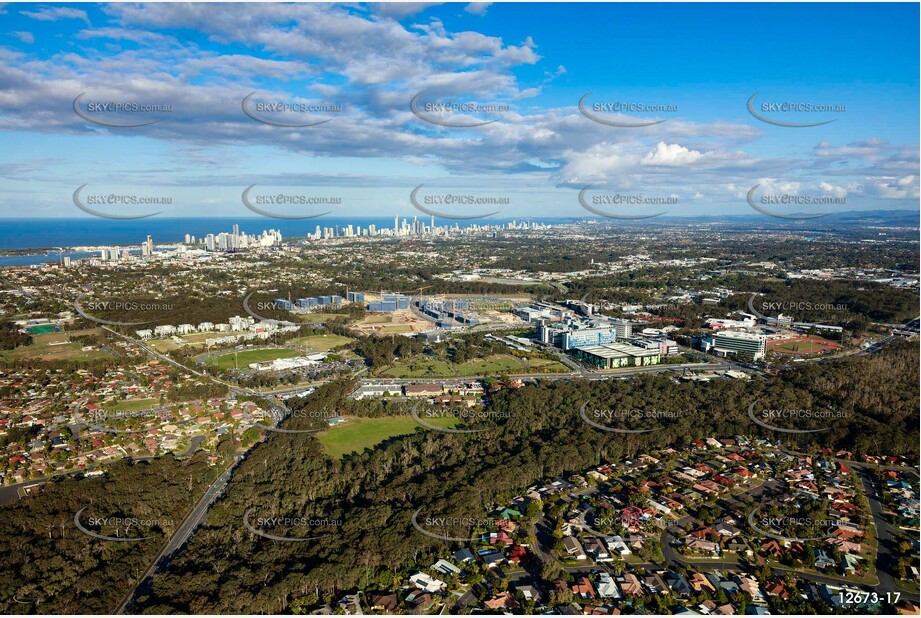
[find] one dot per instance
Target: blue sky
(700, 63)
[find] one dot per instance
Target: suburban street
(542, 531)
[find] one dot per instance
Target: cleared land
(191, 339)
(388, 329)
(163, 345)
(55, 347)
(243, 358)
(421, 367)
(357, 434)
(397, 322)
(321, 343)
(313, 318)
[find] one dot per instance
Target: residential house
(574, 548)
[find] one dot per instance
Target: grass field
(200, 338)
(377, 319)
(54, 347)
(321, 343)
(162, 345)
(811, 345)
(545, 364)
(131, 405)
(357, 434)
(191, 339)
(244, 358)
(313, 318)
(421, 367)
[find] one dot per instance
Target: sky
(352, 72)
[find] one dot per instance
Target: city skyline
(456, 309)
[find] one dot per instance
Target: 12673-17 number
(856, 597)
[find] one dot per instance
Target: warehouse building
(615, 355)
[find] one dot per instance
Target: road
(885, 533)
(12, 493)
(582, 373)
(200, 510)
(578, 372)
(198, 513)
(163, 357)
(568, 375)
(193, 445)
(886, 536)
(195, 517)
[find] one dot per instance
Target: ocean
(54, 234)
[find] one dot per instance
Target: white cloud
(55, 13)
(865, 149)
(477, 8)
(894, 188)
(25, 37)
(671, 154)
(399, 10)
(369, 62)
(834, 190)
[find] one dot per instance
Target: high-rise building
(744, 345)
(624, 328)
(588, 337)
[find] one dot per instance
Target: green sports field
(321, 343)
(357, 434)
(131, 405)
(43, 329)
(245, 357)
(803, 345)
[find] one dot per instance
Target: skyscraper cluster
(416, 227)
(232, 241)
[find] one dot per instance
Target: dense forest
(852, 304)
(11, 337)
(536, 433)
(840, 301)
(53, 568)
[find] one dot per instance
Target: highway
(566, 375)
(195, 517)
